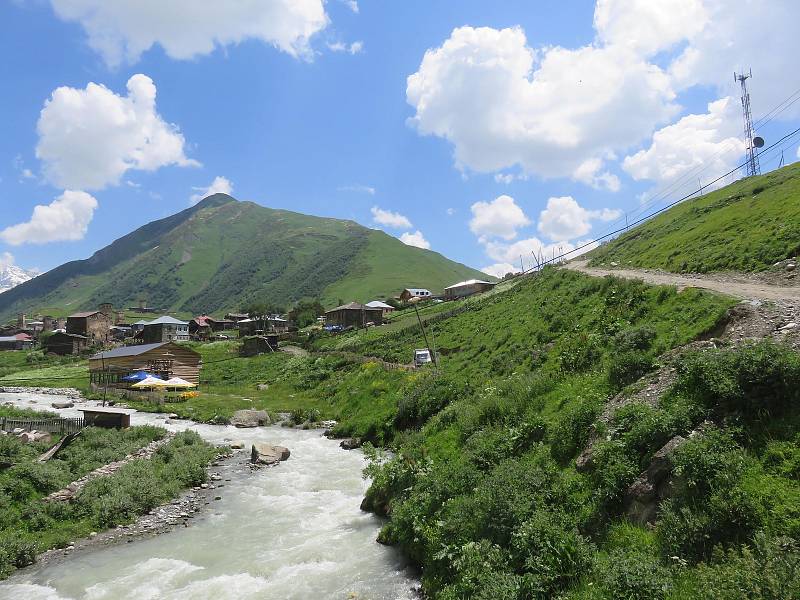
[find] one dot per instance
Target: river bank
(292, 531)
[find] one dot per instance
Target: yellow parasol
(150, 382)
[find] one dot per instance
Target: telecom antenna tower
(752, 142)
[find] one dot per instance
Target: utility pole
(752, 165)
(425, 335)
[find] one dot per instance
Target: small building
(107, 417)
(165, 359)
(414, 294)
(353, 315)
(165, 329)
(259, 344)
(386, 308)
(200, 327)
(65, 344)
(93, 324)
(462, 289)
(20, 341)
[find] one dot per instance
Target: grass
(747, 226)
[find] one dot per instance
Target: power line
(659, 211)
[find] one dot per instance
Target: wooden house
(353, 315)
(236, 317)
(200, 327)
(65, 344)
(165, 359)
(165, 329)
(259, 344)
(462, 289)
(107, 417)
(386, 308)
(273, 324)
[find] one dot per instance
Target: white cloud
(500, 270)
(354, 48)
(220, 185)
(499, 218)
(351, 4)
(415, 239)
(506, 178)
(501, 103)
(565, 219)
(19, 166)
(452, 211)
(6, 260)
(646, 26)
(590, 172)
(358, 188)
(708, 140)
(121, 30)
(65, 219)
(89, 138)
(388, 218)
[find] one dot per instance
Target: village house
(462, 289)
(165, 360)
(165, 329)
(93, 324)
(20, 341)
(200, 328)
(414, 294)
(65, 344)
(353, 315)
(386, 308)
(273, 324)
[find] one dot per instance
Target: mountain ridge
(223, 253)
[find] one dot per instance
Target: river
(292, 531)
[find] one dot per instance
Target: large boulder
(250, 418)
(350, 443)
(67, 404)
(267, 454)
(30, 437)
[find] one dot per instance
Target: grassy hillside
(746, 226)
(222, 254)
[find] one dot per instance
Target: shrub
(573, 429)
(634, 576)
(627, 367)
(15, 552)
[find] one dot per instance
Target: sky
(491, 132)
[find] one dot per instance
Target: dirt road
(738, 286)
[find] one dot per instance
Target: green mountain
(746, 226)
(222, 254)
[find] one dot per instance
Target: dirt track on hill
(738, 286)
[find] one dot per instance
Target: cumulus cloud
(699, 140)
(220, 185)
(565, 219)
(415, 239)
(351, 4)
(120, 31)
(501, 103)
(500, 270)
(388, 218)
(89, 138)
(499, 218)
(65, 219)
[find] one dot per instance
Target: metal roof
(351, 306)
(128, 351)
(417, 290)
(469, 282)
(167, 320)
(378, 304)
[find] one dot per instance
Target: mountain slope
(222, 254)
(746, 226)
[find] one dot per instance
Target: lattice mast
(752, 165)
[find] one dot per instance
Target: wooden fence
(52, 425)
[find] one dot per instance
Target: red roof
(202, 321)
(24, 337)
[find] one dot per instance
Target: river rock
(67, 404)
(30, 437)
(267, 454)
(350, 443)
(236, 445)
(250, 418)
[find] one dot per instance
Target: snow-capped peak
(12, 275)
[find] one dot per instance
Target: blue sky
(527, 126)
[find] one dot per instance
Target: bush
(573, 429)
(15, 552)
(627, 575)
(627, 367)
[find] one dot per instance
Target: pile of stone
(144, 453)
